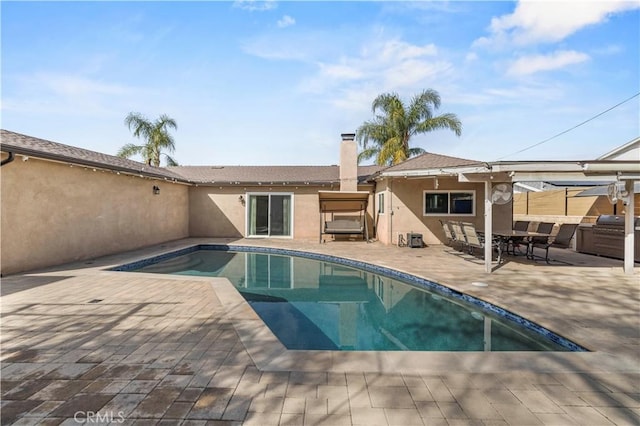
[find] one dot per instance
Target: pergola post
(629, 230)
(488, 231)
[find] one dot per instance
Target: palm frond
(170, 160)
(129, 150)
(367, 154)
(139, 125)
(165, 121)
(156, 136)
(445, 121)
(416, 151)
(388, 135)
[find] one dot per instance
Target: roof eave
(82, 162)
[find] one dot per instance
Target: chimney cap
(348, 136)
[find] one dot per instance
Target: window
(381, 203)
(460, 203)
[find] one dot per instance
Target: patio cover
(627, 172)
(343, 201)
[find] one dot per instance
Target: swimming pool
(319, 302)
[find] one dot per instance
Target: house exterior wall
(217, 211)
(53, 213)
(404, 212)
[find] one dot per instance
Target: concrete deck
(147, 349)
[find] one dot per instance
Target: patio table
(506, 236)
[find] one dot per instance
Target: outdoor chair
(448, 232)
(516, 242)
(474, 239)
(458, 235)
(561, 240)
(543, 228)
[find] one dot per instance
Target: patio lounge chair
(458, 235)
(561, 240)
(476, 240)
(448, 233)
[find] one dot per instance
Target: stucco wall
(216, 211)
(53, 213)
(403, 213)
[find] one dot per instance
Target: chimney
(348, 163)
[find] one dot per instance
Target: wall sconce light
(241, 199)
(156, 190)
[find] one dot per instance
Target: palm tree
(156, 136)
(387, 136)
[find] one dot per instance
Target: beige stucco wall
(53, 213)
(404, 207)
(216, 211)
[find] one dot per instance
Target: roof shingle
(429, 160)
(41, 148)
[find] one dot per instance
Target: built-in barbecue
(606, 237)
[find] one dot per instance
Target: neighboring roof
(268, 174)
(429, 160)
(628, 151)
(575, 183)
(603, 189)
(538, 186)
(41, 148)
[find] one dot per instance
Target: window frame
(449, 192)
(247, 197)
(381, 205)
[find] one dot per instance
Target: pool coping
(270, 355)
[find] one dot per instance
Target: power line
(568, 130)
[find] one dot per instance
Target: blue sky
(258, 83)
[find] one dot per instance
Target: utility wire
(568, 130)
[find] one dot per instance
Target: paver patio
(159, 349)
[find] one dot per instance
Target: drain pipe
(390, 220)
(7, 160)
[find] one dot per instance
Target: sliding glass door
(269, 215)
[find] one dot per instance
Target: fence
(564, 202)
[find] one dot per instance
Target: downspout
(390, 210)
(7, 160)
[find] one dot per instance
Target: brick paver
(181, 350)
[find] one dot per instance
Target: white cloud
(340, 71)
(531, 64)
(535, 21)
(400, 50)
(282, 45)
(471, 57)
(77, 86)
(410, 73)
(390, 63)
(58, 93)
(255, 5)
(286, 21)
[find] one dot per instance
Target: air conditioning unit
(414, 240)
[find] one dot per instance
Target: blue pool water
(317, 304)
